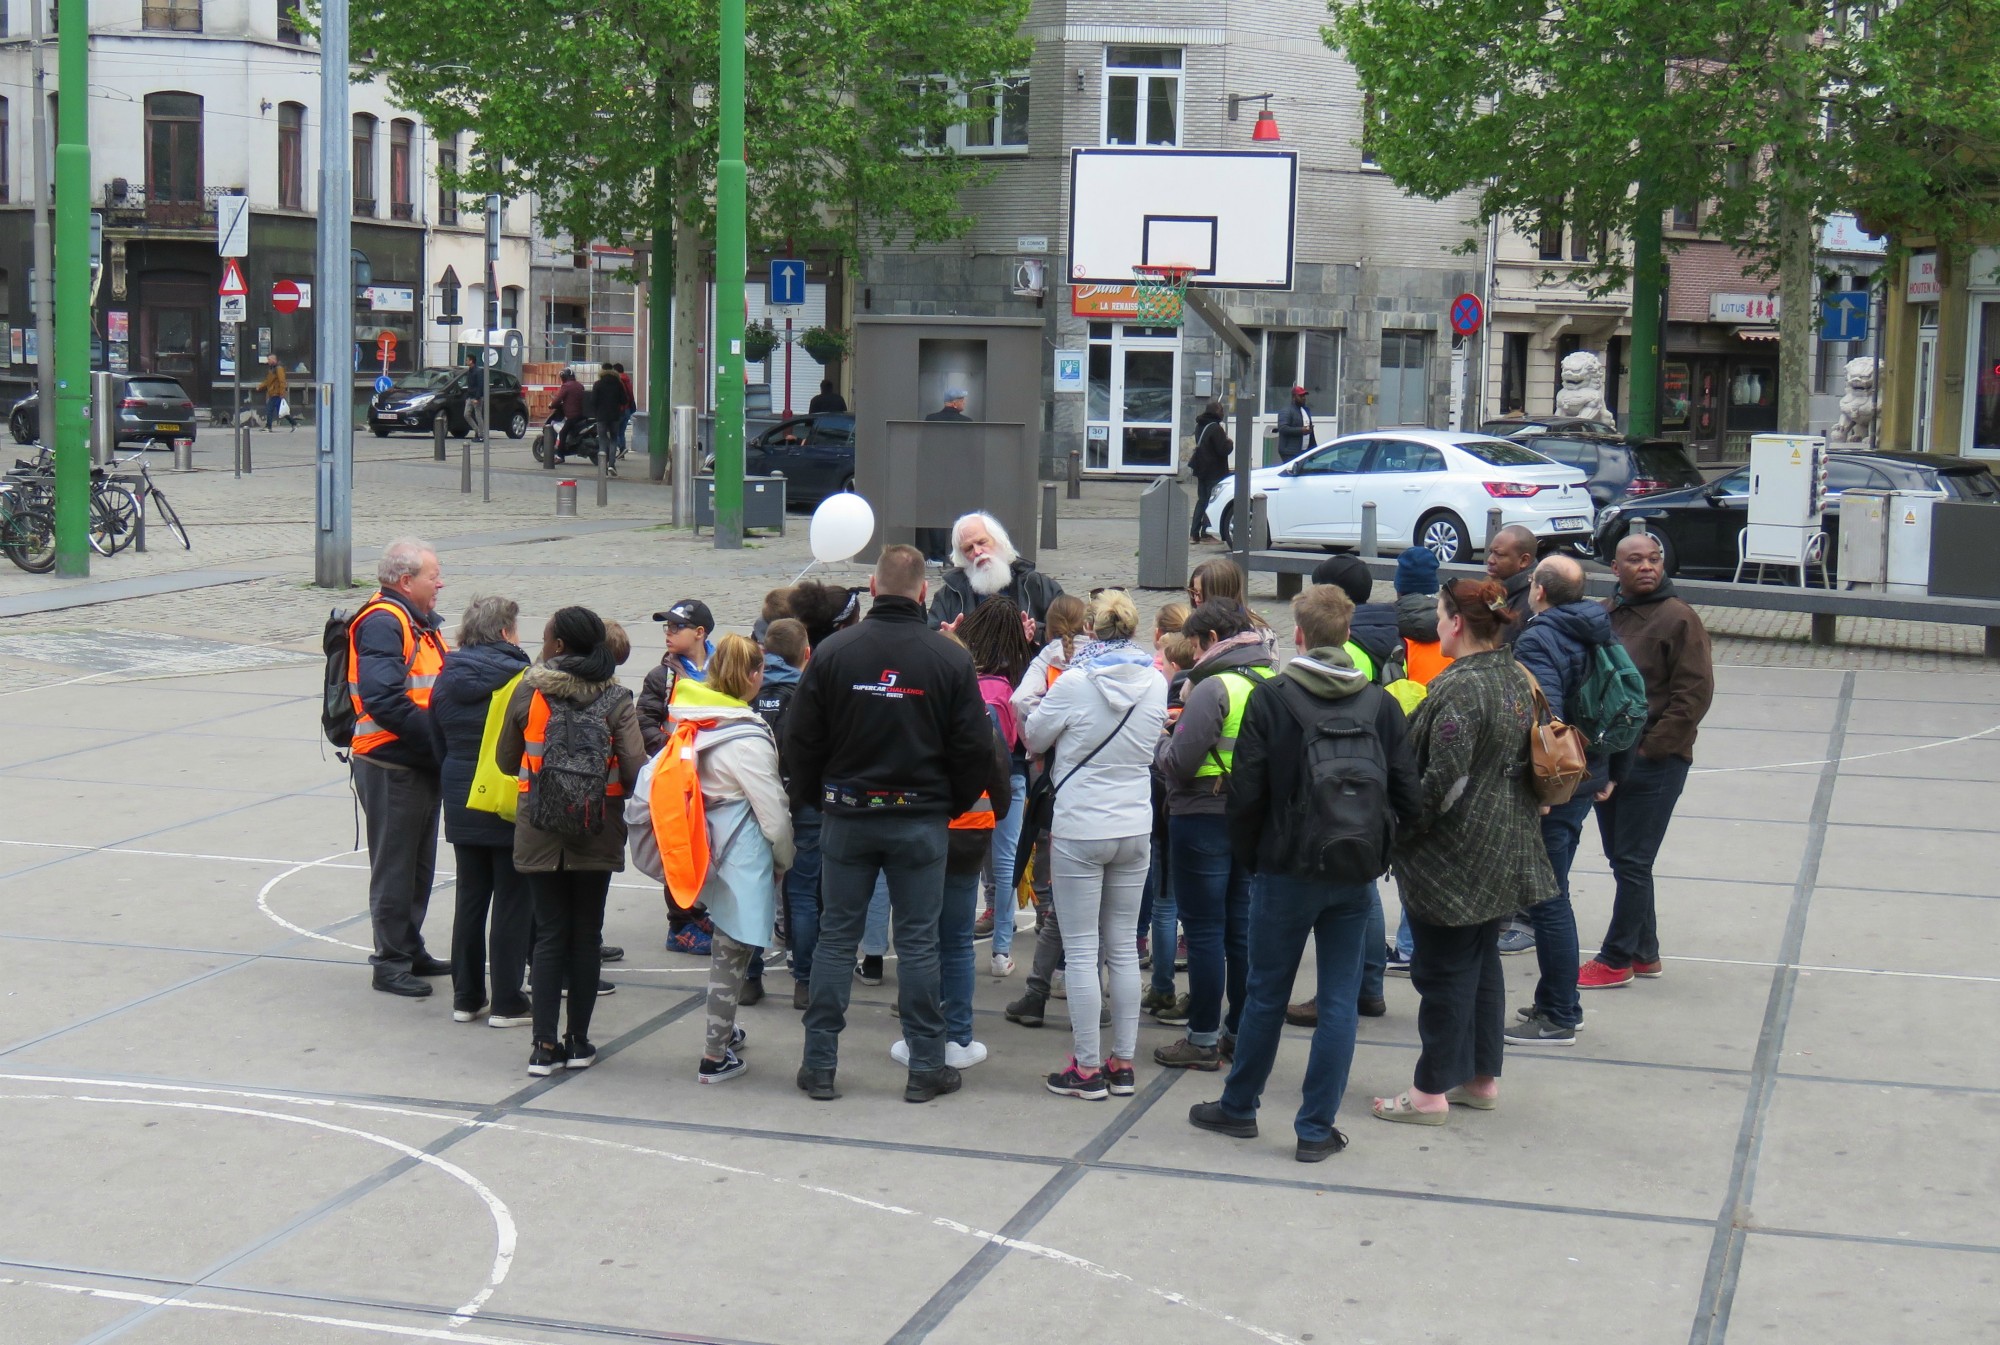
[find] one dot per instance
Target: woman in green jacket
(1474, 857)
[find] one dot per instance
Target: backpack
(336, 710)
(676, 814)
(1338, 819)
(566, 795)
(1610, 703)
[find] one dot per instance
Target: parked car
(150, 407)
(1430, 487)
(412, 403)
(1618, 470)
(1698, 526)
(1514, 427)
(815, 453)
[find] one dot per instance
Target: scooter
(555, 439)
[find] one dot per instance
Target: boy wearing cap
(688, 624)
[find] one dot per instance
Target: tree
(1774, 113)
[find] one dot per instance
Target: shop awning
(1756, 333)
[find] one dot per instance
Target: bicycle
(150, 496)
(114, 508)
(27, 529)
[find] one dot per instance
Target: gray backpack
(567, 797)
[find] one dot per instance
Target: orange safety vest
(532, 738)
(979, 817)
(423, 659)
(1422, 662)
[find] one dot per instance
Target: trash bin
(1163, 535)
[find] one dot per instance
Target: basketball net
(1161, 292)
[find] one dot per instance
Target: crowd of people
(852, 774)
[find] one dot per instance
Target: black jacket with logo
(888, 721)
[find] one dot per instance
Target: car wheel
(1444, 534)
(1583, 548)
(1670, 564)
(517, 425)
(18, 425)
(378, 431)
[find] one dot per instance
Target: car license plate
(167, 428)
(1571, 524)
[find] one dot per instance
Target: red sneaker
(1649, 970)
(1596, 975)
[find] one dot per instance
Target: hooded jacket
(1112, 795)
(1204, 708)
(1031, 590)
(1557, 648)
(1209, 461)
(459, 702)
(607, 397)
(537, 851)
(1417, 617)
(1374, 628)
(1670, 647)
(1270, 758)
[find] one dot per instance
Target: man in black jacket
(985, 564)
(1289, 897)
(887, 733)
(607, 404)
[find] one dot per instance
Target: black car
(1619, 470)
(1515, 427)
(413, 401)
(1698, 526)
(151, 408)
(815, 453)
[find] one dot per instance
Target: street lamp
(1266, 128)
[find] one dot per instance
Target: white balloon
(841, 526)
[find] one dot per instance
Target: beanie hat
(1417, 571)
(1349, 574)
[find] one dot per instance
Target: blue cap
(1417, 571)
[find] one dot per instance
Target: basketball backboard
(1227, 214)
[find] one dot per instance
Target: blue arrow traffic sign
(787, 286)
(1843, 316)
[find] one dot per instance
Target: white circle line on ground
(1859, 756)
(1051, 1254)
(264, 903)
(504, 1232)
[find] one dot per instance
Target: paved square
(217, 1133)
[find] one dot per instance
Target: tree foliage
(606, 111)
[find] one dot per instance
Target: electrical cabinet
(1787, 498)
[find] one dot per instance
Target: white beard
(989, 576)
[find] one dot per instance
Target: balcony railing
(176, 16)
(128, 203)
(402, 210)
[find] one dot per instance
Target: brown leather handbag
(1556, 764)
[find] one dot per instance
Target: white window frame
(1145, 74)
(955, 135)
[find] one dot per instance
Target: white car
(1430, 487)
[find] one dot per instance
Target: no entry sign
(285, 297)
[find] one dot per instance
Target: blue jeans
(961, 905)
(802, 891)
(1214, 897)
(854, 851)
(1405, 942)
(1283, 910)
(1633, 823)
(1554, 920)
(1165, 916)
(875, 938)
(1006, 836)
(1374, 947)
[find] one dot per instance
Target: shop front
(1981, 435)
(1719, 379)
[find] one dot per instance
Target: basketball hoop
(1160, 293)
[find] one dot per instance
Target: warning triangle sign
(232, 279)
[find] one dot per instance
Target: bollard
(566, 498)
(1639, 527)
(437, 437)
(682, 450)
(1260, 523)
(1048, 516)
(248, 466)
(183, 455)
(1370, 546)
(139, 528)
(603, 480)
(1493, 524)
(465, 467)
(1075, 475)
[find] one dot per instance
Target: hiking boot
(1303, 1014)
(1176, 1014)
(1029, 1009)
(1539, 1030)
(801, 994)
(1152, 1000)
(1071, 1081)
(817, 1084)
(925, 1085)
(870, 971)
(751, 993)
(1184, 1054)
(1211, 1116)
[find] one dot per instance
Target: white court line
(504, 1233)
(1845, 971)
(1860, 756)
(264, 904)
(1050, 1254)
(313, 1319)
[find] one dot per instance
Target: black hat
(1349, 574)
(688, 612)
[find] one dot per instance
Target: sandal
(1401, 1110)
(1458, 1097)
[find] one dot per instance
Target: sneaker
(738, 1038)
(705, 925)
(930, 1084)
(817, 1084)
(467, 1015)
(1649, 970)
(1527, 1011)
(1120, 1077)
(1184, 1054)
(1059, 985)
(1180, 953)
(715, 1071)
(605, 987)
(751, 993)
(610, 952)
(1371, 1008)
(1175, 1014)
(1073, 1082)
(869, 972)
(983, 926)
(1536, 1030)
(1029, 1009)
(547, 1059)
(1002, 966)
(689, 939)
(511, 1020)
(801, 995)
(1211, 1116)
(1395, 964)
(1152, 1000)
(581, 1054)
(1597, 975)
(1516, 940)
(964, 1057)
(1145, 952)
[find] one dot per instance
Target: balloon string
(802, 573)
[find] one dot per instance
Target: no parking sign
(1466, 314)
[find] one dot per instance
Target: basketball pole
(1240, 397)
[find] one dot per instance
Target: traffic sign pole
(334, 331)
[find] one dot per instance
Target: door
(779, 449)
(1314, 499)
(1920, 412)
(1402, 477)
(173, 344)
(1132, 401)
(827, 463)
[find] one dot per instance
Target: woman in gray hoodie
(1098, 724)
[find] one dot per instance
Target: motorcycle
(556, 438)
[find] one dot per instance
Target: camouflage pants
(728, 965)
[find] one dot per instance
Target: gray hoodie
(1205, 705)
(1112, 797)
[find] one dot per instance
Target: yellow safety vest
(1238, 683)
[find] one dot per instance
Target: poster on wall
(116, 357)
(29, 353)
(226, 348)
(1678, 390)
(117, 326)
(14, 345)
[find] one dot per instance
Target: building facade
(1540, 311)
(1941, 350)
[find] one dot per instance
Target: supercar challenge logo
(886, 686)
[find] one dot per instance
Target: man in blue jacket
(1557, 647)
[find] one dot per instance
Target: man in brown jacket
(1670, 646)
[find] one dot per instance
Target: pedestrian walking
(1210, 463)
(1670, 647)
(1322, 781)
(1295, 427)
(395, 651)
(571, 737)
(1098, 727)
(274, 388)
(1473, 855)
(889, 733)
(482, 841)
(984, 564)
(631, 405)
(608, 400)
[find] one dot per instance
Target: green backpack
(1610, 705)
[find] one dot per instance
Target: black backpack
(1338, 821)
(336, 710)
(567, 795)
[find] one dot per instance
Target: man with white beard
(983, 564)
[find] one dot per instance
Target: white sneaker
(1058, 985)
(1003, 966)
(515, 1020)
(964, 1057)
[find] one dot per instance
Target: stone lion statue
(1857, 404)
(1582, 391)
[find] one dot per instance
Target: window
(178, 16)
(291, 156)
(447, 194)
(173, 150)
(1371, 117)
(1513, 372)
(6, 178)
(1844, 474)
(510, 306)
(1000, 120)
(1142, 96)
(364, 164)
(1685, 218)
(1549, 234)
(401, 132)
(288, 23)
(1983, 403)
(1337, 460)
(1397, 455)
(1405, 396)
(1579, 245)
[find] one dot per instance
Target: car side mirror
(1716, 490)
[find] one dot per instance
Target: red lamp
(1266, 127)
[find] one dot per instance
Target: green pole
(72, 281)
(731, 258)
(1643, 417)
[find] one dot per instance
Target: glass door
(1132, 400)
(1982, 404)
(1920, 411)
